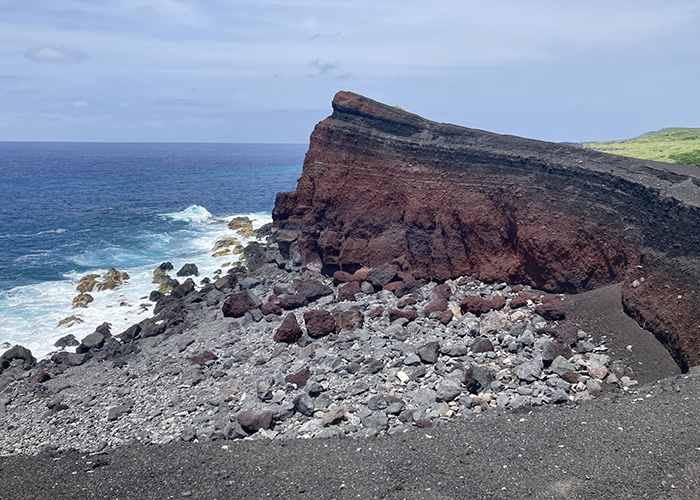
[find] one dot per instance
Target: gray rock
(117, 411)
(447, 391)
(304, 404)
(428, 353)
(561, 366)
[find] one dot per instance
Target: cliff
(380, 185)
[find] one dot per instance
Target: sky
(266, 71)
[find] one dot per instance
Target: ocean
(72, 209)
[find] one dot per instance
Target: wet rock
(289, 331)
(17, 353)
(188, 270)
(254, 256)
(67, 341)
(319, 323)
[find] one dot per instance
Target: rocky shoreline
(271, 351)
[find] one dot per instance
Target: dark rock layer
(381, 185)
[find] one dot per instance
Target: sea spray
(30, 314)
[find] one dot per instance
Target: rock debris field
(280, 354)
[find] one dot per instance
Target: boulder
(381, 276)
(289, 331)
(17, 353)
(319, 323)
(349, 320)
(348, 291)
(552, 311)
(395, 314)
(253, 421)
(428, 353)
(475, 305)
(312, 289)
(240, 303)
(188, 270)
(254, 256)
(435, 305)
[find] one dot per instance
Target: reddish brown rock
(498, 302)
(289, 331)
(240, 303)
(361, 274)
(394, 286)
(271, 308)
(549, 297)
(567, 333)
(520, 301)
(201, 359)
(475, 305)
(395, 314)
(376, 312)
(292, 301)
(435, 305)
(380, 184)
(570, 377)
(407, 301)
(349, 320)
(552, 311)
(299, 378)
(445, 317)
(319, 323)
(342, 277)
(516, 288)
(347, 291)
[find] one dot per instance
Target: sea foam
(29, 314)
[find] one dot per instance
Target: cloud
(53, 54)
(323, 68)
(81, 104)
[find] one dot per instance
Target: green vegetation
(673, 145)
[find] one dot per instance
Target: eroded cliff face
(382, 185)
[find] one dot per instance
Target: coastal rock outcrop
(382, 186)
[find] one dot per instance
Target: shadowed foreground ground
(641, 445)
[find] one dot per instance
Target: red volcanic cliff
(382, 185)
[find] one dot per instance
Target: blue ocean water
(68, 209)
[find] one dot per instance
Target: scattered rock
(289, 331)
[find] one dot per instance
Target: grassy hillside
(673, 145)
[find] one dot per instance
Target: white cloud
(81, 104)
(53, 54)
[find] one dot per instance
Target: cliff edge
(381, 185)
